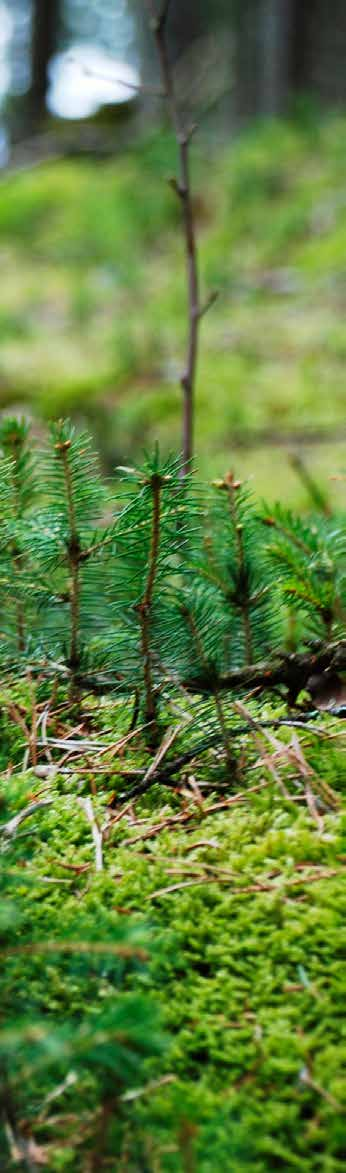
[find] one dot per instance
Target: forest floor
(173, 994)
(92, 301)
(231, 890)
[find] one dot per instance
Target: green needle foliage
(233, 584)
(171, 587)
(68, 543)
(150, 541)
(18, 491)
(175, 595)
(309, 558)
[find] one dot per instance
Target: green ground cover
(235, 1008)
(92, 298)
(181, 1009)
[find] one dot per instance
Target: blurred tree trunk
(246, 60)
(185, 23)
(266, 32)
(275, 55)
(45, 19)
(303, 11)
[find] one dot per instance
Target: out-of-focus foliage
(92, 308)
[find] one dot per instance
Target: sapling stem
(145, 606)
(182, 187)
(74, 559)
(214, 690)
(15, 445)
(244, 600)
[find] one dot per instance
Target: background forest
(172, 648)
(92, 305)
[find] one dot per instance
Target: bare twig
(84, 948)
(20, 1147)
(113, 79)
(136, 1092)
(167, 775)
(264, 757)
(249, 889)
(187, 815)
(9, 829)
(97, 834)
(43, 721)
(210, 301)
(306, 1078)
(292, 670)
(318, 497)
(182, 187)
(166, 743)
(69, 1081)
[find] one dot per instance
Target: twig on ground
(249, 889)
(166, 743)
(97, 833)
(70, 1079)
(136, 1092)
(264, 757)
(9, 829)
(187, 815)
(291, 670)
(166, 776)
(43, 721)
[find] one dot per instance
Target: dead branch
(96, 832)
(249, 889)
(9, 829)
(136, 1092)
(187, 815)
(166, 743)
(20, 1148)
(291, 670)
(167, 776)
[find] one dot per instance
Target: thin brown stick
(291, 670)
(144, 607)
(166, 743)
(249, 889)
(187, 816)
(74, 561)
(182, 187)
(96, 831)
(264, 757)
(244, 602)
(217, 699)
(20, 1147)
(9, 829)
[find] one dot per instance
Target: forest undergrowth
(92, 318)
(172, 820)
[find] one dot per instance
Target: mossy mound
(234, 924)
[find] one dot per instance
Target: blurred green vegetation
(92, 299)
(244, 965)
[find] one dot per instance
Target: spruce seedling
(18, 490)
(150, 536)
(178, 591)
(69, 547)
(310, 559)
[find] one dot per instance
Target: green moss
(245, 968)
